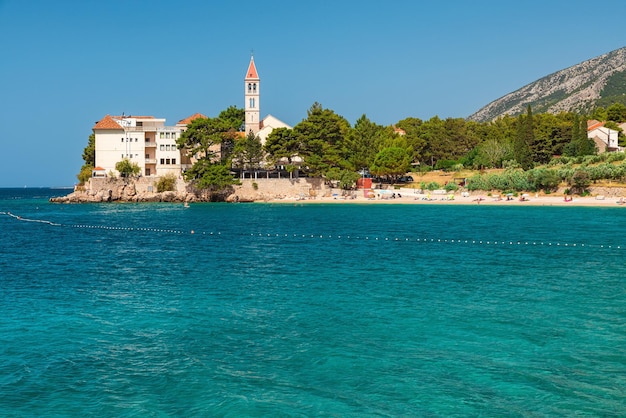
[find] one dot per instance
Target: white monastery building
(148, 142)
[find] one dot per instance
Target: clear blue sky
(65, 64)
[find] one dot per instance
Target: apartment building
(144, 140)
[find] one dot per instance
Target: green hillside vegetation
(614, 91)
(577, 174)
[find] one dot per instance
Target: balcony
(151, 160)
(145, 128)
(150, 144)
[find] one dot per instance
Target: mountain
(600, 81)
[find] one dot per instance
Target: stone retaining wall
(271, 189)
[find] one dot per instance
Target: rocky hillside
(600, 81)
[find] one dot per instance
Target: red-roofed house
(606, 139)
(184, 122)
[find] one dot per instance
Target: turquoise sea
(342, 310)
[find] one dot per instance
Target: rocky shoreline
(128, 193)
(141, 190)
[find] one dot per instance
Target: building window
(174, 161)
(162, 161)
(161, 135)
(249, 87)
(162, 147)
(167, 135)
(122, 139)
(173, 135)
(167, 147)
(252, 102)
(167, 161)
(254, 87)
(136, 139)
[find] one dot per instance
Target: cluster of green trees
(89, 160)
(325, 144)
(329, 145)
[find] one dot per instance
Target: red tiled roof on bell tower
(251, 74)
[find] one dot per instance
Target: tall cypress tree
(584, 145)
(580, 145)
(524, 137)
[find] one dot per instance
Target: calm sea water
(310, 310)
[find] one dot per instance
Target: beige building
(144, 140)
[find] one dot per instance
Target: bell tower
(252, 95)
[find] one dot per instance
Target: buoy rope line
(19, 218)
(441, 241)
(106, 227)
(371, 238)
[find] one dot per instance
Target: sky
(65, 64)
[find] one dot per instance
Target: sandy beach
(413, 198)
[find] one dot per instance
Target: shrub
(592, 159)
(510, 165)
(451, 187)
(544, 179)
(433, 185)
(85, 174)
(556, 161)
(477, 182)
(458, 167)
(565, 160)
(255, 185)
(580, 180)
(445, 165)
(615, 156)
(127, 168)
(519, 181)
(167, 183)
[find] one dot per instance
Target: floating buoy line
(370, 238)
(425, 240)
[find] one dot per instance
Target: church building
(252, 87)
(148, 142)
